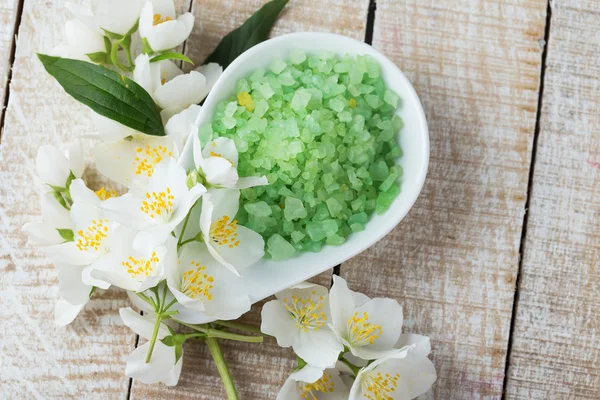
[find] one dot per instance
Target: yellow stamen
(140, 268)
(377, 386)
(362, 332)
(196, 283)
(158, 204)
(92, 238)
(306, 312)
(158, 19)
(224, 232)
(104, 194)
(148, 157)
(323, 385)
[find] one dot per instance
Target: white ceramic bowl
(267, 277)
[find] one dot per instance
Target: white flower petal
(125, 210)
(72, 288)
(165, 8)
(212, 72)
(81, 194)
(220, 172)
(42, 234)
(386, 313)
(143, 74)
(52, 166)
(319, 347)
(251, 181)
(180, 126)
(141, 325)
(181, 91)
(54, 214)
(250, 250)
(342, 304)
(116, 16)
(308, 373)
(65, 312)
(277, 322)
(161, 368)
(422, 345)
(222, 147)
(110, 130)
(76, 163)
(88, 279)
(226, 202)
(169, 34)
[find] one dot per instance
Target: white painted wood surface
(38, 359)
(8, 16)
(556, 343)
(453, 262)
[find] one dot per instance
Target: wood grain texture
(258, 370)
(556, 340)
(453, 262)
(39, 360)
(8, 17)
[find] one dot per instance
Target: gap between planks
(368, 40)
(11, 60)
(529, 193)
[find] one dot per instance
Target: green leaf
(168, 341)
(178, 352)
(255, 30)
(106, 92)
(98, 57)
(66, 234)
(171, 56)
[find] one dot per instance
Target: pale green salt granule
(323, 130)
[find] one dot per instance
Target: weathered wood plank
(453, 262)
(8, 18)
(556, 339)
(40, 360)
(258, 370)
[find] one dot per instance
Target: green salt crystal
(334, 207)
(228, 122)
(300, 100)
(341, 68)
(261, 108)
(277, 65)
(335, 240)
(259, 209)
(279, 248)
(294, 209)
(379, 171)
(360, 218)
(385, 199)
(286, 79)
(266, 90)
(356, 75)
(388, 182)
(319, 230)
(257, 75)
(345, 116)
(231, 108)
(288, 227)
(314, 247)
(359, 203)
(370, 205)
(297, 236)
(297, 56)
(373, 101)
(336, 105)
(391, 98)
(356, 227)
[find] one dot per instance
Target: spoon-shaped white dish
(267, 277)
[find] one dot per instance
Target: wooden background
(499, 260)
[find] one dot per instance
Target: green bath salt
(323, 130)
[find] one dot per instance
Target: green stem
(239, 326)
(114, 57)
(185, 222)
(164, 299)
(215, 333)
(217, 355)
(355, 370)
(154, 336)
(147, 300)
(170, 304)
(187, 241)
